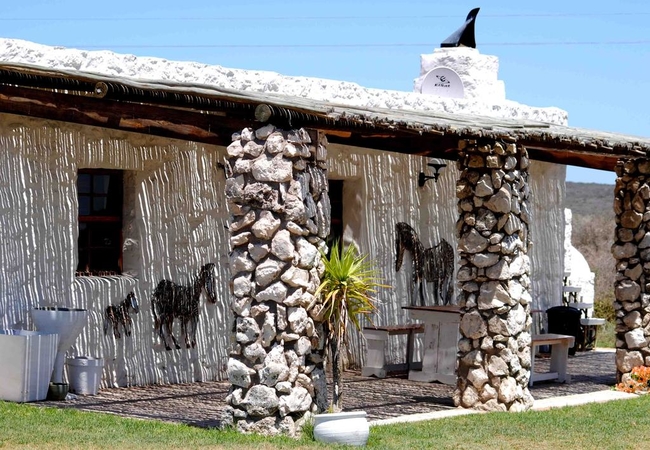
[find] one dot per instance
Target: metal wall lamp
(437, 166)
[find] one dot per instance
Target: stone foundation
(277, 196)
(494, 349)
(631, 250)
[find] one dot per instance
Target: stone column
(280, 213)
(494, 348)
(631, 250)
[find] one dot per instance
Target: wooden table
(441, 335)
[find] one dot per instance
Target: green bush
(604, 308)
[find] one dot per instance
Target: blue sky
(590, 58)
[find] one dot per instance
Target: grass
(25, 426)
(606, 336)
(616, 425)
(623, 424)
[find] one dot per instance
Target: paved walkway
(201, 404)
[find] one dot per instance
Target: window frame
(89, 249)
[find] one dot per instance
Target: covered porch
(493, 161)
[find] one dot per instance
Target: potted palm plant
(348, 286)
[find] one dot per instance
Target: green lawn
(623, 424)
(606, 336)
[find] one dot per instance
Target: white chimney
(477, 73)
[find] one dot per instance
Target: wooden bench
(560, 344)
(376, 340)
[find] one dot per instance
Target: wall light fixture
(437, 165)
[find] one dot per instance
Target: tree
(347, 290)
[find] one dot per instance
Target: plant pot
(57, 391)
(349, 428)
(85, 374)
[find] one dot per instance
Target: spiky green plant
(347, 290)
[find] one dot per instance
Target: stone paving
(201, 404)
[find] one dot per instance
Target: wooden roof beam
(210, 128)
(587, 160)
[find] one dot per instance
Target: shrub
(604, 308)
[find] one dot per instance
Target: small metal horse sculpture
(172, 301)
(435, 264)
(117, 316)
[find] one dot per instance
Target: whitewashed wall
(547, 234)
(175, 221)
(381, 189)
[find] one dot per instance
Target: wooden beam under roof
(210, 127)
(199, 126)
(587, 160)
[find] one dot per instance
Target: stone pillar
(631, 250)
(494, 348)
(280, 214)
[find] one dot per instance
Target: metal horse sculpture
(171, 301)
(116, 316)
(434, 264)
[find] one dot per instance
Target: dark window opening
(336, 202)
(101, 195)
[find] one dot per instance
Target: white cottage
(123, 174)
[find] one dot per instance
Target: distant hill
(586, 199)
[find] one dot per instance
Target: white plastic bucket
(85, 374)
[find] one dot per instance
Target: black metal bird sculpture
(464, 36)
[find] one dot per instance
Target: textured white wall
(383, 190)
(175, 222)
(547, 233)
(175, 219)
